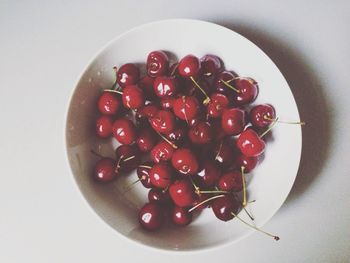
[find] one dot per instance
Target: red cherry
(217, 130)
(262, 115)
(128, 157)
(124, 131)
(211, 65)
(146, 84)
(219, 85)
(163, 122)
(185, 161)
(250, 144)
(151, 216)
(189, 66)
(147, 111)
(128, 74)
(248, 91)
(108, 103)
(157, 63)
(165, 86)
(186, 107)
(133, 97)
(157, 195)
(180, 216)
(161, 175)
(146, 139)
(223, 152)
(182, 193)
(200, 133)
(104, 126)
(218, 102)
(191, 88)
(105, 170)
(178, 134)
(163, 151)
(223, 207)
(231, 181)
(233, 121)
(167, 102)
(209, 173)
(199, 199)
(248, 163)
(143, 174)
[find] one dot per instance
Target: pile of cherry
(192, 136)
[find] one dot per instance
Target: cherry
(128, 74)
(161, 175)
(178, 134)
(133, 97)
(217, 130)
(157, 63)
(200, 201)
(151, 216)
(184, 161)
(124, 131)
(209, 173)
(231, 181)
(200, 133)
(163, 121)
(167, 102)
(233, 121)
(143, 174)
(223, 152)
(147, 111)
(146, 84)
(128, 157)
(247, 91)
(248, 163)
(189, 66)
(211, 65)
(180, 216)
(250, 144)
(225, 206)
(157, 195)
(108, 103)
(104, 126)
(105, 170)
(191, 88)
(186, 107)
(262, 115)
(181, 192)
(218, 102)
(146, 139)
(165, 86)
(163, 151)
(220, 86)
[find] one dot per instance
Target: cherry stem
(286, 122)
(129, 158)
(217, 155)
(244, 203)
(168, 141)
(118, 163)
(113, 91)
(250, 216)
(174, 69)
(97, 154)
(254, 227)
(270, 127)
(214, 192)
(128, 188)
(197, 190)
(205, 201)
(207, 99)
(229, 86)
(145, 166)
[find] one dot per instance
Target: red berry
(105, 170)
(223, 207)
(146, 139)
(180, 216)
(250, 144)
(163, 122)
(262, 115)
(133, 97)
(124, 131)
(231, 181)
(167, 102)
(248, 91)
(143, 174)
(186, 107)
(209, 173)
(248, 163)
(189, 66)
(184, 161)
(200, 133)
(182, 193)
(165, 86)
(218, 102)
(104, 126)
(109, 103)
(163, 151)
(161, 175)
(223, 152)
(157, 63)
(151, 216)
(157, 195)
(233, 121)
(128, 74)
(128, 157)
(211, 65)
(146, 84)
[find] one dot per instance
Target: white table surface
(45, 45)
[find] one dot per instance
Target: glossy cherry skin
(184, 161)
(157, 63)
(182, 193)
(262, 115)
(209, 173)
(180, 216)
(223, 207)
(233, 121)
(231, 181)
(109, 103)
(133, 97)
(158, 195)
(124, 131)
(189, 66)
(146, 84)
(143, 174)
(167, 102)
(211, 65)
(217, 130)
(218, 102)
(220, 87)
(146, 139)
(248, 163)
(104, 126)
(161, 175)
(186, 107)
(250, 144)
(105, 170)
(165, 86)
(191, 88)
(223, 152)
(200, 133)
(248, 91)
(199, 199)
(178, 134)
(128, 74)
(163, 121)
(147, 111)
(151, 216)
(163, 151)
(123, 154)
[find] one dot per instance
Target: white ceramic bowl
(270, 182)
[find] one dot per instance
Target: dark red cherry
(124, 131)
(133, 97)
(217, 130)
(200, 133)
(151, 216)
(165, 86)
(231, 181)
(157, 63)
(104, 126)
(128, 74)
(182, 193)
(180, 216)
(167, 102)
(109, 103)
(178, 134)
(209, 173)
(223, 152)
(191, 88)
(161, 175)
(146, 84)
(147, 111)
(105, 170)
(262, 115)
(143, 174)
(248, 91)
(223, 207)
(146, 139)
(199, 199)
(233, 121)
(211, 65)
(163, 151)
(189, 66)
(158, 195)
(128, 158)
(184, 161)
(218, 102)
(248, 163)
(163, 121)
(219, 85)
(186, 107)
(250, 144)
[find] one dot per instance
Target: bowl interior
(269, 184)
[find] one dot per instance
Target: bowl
(269, 184)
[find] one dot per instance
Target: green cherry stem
(207, 99)
(229, 86)
(286, 122)
(205, 201)
(270, 127)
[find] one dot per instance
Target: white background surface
(44, 47)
